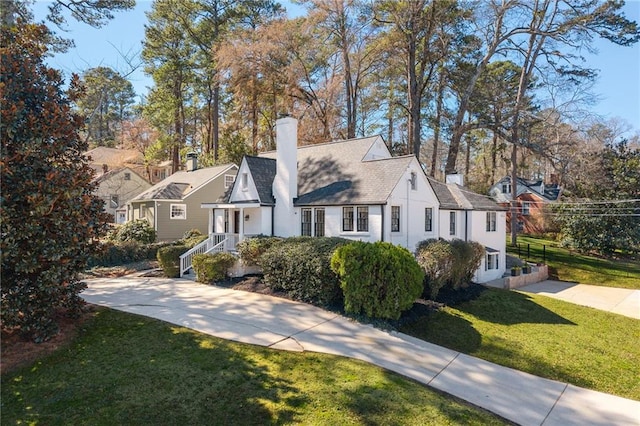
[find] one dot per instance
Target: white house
(352, 189)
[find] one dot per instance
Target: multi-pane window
(363, 219)
(452, 223)
(491, 261)
(319, 223)
(178, 211)
(526, 206)
(506, 188)
(226, 221)
(347, 218)
(306, 222)
(127, 176)
(312, 219)
(491, 221)
(395, 218)
(228, 180)
(428, 219)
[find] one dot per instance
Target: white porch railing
(215, 243)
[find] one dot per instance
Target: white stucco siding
(412, 203)
(495, 240)
(245, 188)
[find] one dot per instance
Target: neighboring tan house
(114, 158)
(116, 187)
(172, 206)
(352, 189)
(532, 198)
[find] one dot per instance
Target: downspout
(155, 215)
(382, 222)
(466, 225)
(273, 210)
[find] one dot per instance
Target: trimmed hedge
(300, 266)
(210, 268)
(251, 249)
(379, 279)
(114, 254)
(169, 259)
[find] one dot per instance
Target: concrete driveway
(286, 325)
(617, 300)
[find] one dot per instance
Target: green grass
(127, 369)
(542, 336)
(566, 265)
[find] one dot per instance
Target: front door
(236, 221)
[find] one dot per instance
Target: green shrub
(139, 230)
(379, 279)
(251, 249)
(469, 255)
(169, 259)
(449, 264)
(192, 233)
(437, 260)
(113, 253)
(300, 266)
(210, 268)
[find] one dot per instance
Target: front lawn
(566, 265)
(542, 336)
(128, 369)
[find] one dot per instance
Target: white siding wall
(493, 239)
(412, 211)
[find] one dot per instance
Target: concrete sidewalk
(286, 325)
(617, 300)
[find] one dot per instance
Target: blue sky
(618, 85)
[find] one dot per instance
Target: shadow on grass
(133, 370)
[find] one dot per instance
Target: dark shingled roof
(455, 197)
(263, 171)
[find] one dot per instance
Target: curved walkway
(620, 301)
(286, 325)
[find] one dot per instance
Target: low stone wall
(538, 273)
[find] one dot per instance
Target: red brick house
(532, 196)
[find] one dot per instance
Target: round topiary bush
(379, 279)
(169, 259)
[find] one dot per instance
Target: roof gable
(182, 184)
(260, 174)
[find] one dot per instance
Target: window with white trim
(491, 221)
(428, 219)
(363, 219)
(491, 261)
(228, 180)
(452, 223)
(244, 183)
(226, 221)
(506, 188)
(178, 211)
(395, 218)
(526, 207)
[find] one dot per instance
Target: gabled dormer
(254, 180)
